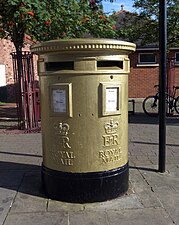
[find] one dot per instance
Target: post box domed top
(82, 45)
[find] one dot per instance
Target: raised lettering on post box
(111, 150)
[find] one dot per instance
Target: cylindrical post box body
(84, 118)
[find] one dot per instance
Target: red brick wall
(176, 69)
(143, 78)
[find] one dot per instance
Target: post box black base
(85, 187)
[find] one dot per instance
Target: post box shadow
(21, 177)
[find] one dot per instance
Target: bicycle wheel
(150, 105)
(176, 105)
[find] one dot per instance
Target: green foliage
(45, 20)
(74, 19)
(143, 26)
(18, 17)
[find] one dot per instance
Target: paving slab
(60, 218)
(143, 190)
(139, 217)
(58, 206)
(6, 199)
(30, 197)
(170, 201)
(124, 202)
(20, 150)
(166, 188)
(128, 201)
(162, 180)
(24, 203)
(88, 218)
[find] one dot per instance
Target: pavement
(152, 198)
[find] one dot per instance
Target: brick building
(145, 71)
(6, 69)
(142, 78)
(6, 74)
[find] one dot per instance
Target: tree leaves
(143, 27)
(46, 20)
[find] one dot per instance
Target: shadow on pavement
(26, 178)
(152, 143)
(141, 118)
(23, 178)
(143, 168)
(20, 154)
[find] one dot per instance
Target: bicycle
(151, 103)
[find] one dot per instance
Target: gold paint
(67, 155)
(61, 132)
(67, 162)
(64, 142)
(110, 140)
(87, 43)
(67, 158)
(62, 128)
(110, 155)
(111, 127)
(86, 138)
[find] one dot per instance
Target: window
(147, 58)
(2, 76)
(177, 57)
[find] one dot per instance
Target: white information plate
(112, 101)
(59, 100)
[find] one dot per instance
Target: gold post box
(84, 118)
